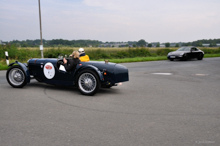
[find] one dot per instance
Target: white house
(205, 45)
(162, 45)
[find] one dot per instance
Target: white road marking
(201, 74)
(166, 74)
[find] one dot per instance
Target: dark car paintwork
(192, 53)
(115, 73)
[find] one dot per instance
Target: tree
(212, 44)
(149, 45)
(199, 44)
(158, 45)
(167, 44)
(141, 43)
(24, 45)
(177, 45)
(186, 44)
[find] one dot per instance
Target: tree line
(96, 43)
(198, 43)
(55, 42)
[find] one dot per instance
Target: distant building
(104, 45)
(1, 43)
(113, 44)
(154, 44)
(123, 44)
(218, 45)
(205, 45)
(173, 44)
(162, 45)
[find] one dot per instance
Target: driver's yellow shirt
(84, 58)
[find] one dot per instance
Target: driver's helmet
(81, 50)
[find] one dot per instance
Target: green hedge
(94, 54)
(210, 51)
(18, 54)
(130, 53)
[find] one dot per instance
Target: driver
(83, 56)
(71, 64)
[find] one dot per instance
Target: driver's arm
(68, 66)
(64, 61)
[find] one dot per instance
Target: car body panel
(115, 73)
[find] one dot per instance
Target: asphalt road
(176, 109)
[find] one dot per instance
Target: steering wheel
(60, 62)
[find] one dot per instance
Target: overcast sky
(111, 20)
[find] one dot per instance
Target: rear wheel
(16, 77)
(88, 82)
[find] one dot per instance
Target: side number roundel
(49, 70)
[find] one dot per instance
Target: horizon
(109, 41)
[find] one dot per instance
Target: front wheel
(185, 57)
(16, 77)
(88, 82)
(200, 57)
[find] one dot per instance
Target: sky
(111, 20)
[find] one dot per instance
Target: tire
(200, 57)
(171, 59)
(88, 82)
(185, 57)
(16, 77)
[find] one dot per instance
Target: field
(117, 55)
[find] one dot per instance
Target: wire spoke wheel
(88, 83)
(16, 77)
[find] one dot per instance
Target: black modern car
(186, 53)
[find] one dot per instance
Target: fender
(99, 73)
(25, 69)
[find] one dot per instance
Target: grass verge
(211, 55)
(3, 67)
(136, 59)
